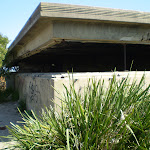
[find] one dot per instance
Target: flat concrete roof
(45, 29)
(66, 11)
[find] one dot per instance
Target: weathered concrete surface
(59, 37)
(51, 24)
(41, 90)
(100, 32)
(8, 113)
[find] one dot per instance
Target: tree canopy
(3, 48)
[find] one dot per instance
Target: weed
(22, 105)
(116, 117)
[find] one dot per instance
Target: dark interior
(88, 57)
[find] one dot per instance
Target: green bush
(116, 117)
(8, 95)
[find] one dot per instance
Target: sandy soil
(8, 113)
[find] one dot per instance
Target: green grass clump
(114, 117)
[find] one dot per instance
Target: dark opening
(88, 57)
(140, 55)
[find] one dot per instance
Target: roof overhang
(52, 24)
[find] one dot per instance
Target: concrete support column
(125, 56)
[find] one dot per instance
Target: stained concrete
(59, 37)
(52, 24)
(40, 90)
(8, 113)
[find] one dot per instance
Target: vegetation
(5, 94)
(8, 95)
(22, 105)
(3, 48)
(114, 117)
(2, 83)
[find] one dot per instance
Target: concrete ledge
(55, 10)
(52, 23)
(64, 11)
(39, 90)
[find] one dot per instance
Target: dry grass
(2, 83)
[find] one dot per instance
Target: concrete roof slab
(52, 23)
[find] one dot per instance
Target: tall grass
(102, 118)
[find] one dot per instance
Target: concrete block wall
(41, 89)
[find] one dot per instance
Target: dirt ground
(8, 113)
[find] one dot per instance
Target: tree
(3, 48)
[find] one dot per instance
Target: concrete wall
(100, 32)
(10, 81)
(39, 89)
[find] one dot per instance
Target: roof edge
(30, 22)
(68, 11)
(57, 10)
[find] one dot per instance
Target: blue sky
(15, 13)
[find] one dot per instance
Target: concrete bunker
(92, 41)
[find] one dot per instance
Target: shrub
(116, 117)
(2, 83)
(8, 95)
